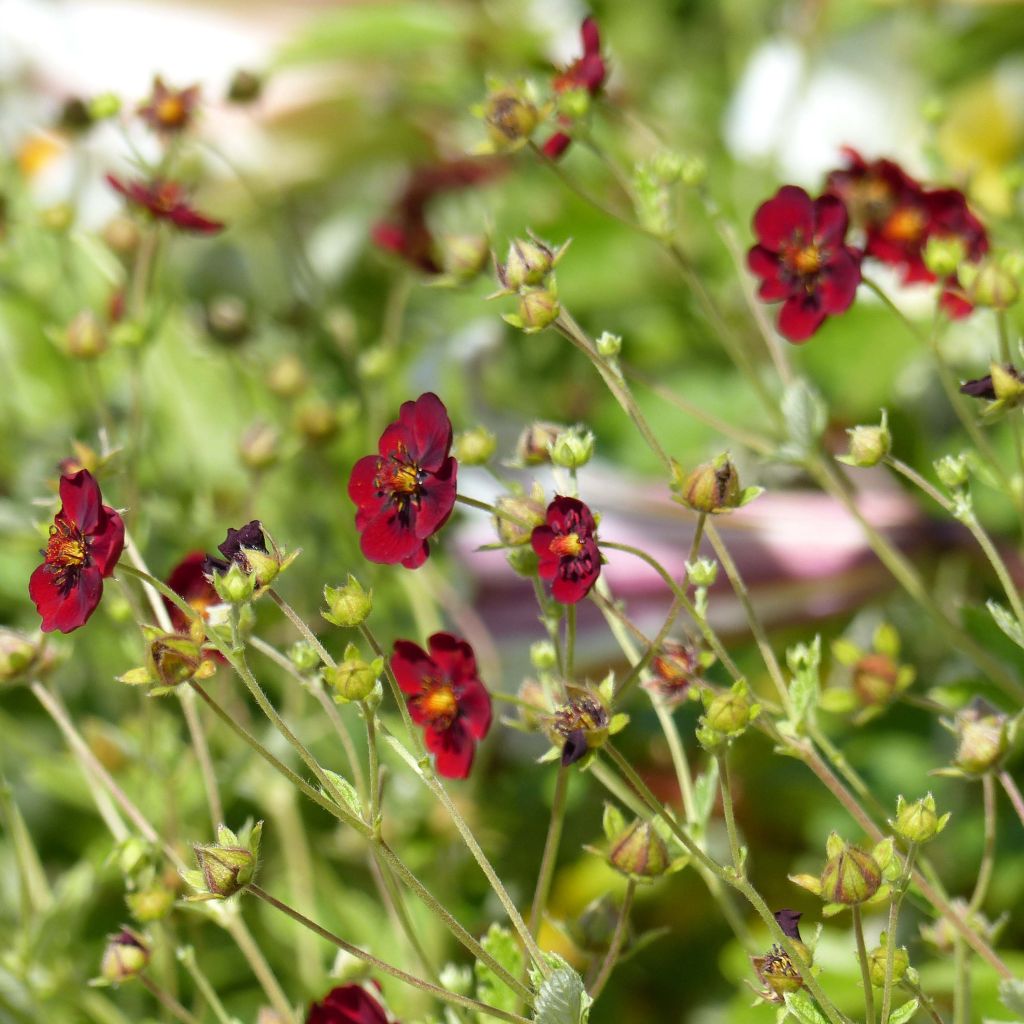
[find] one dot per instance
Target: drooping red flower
(802, 259)
(169, 110)
(588, 72)
(236, 542)
(189, 581)
(166, 200)
(446, 697)
(567, 550)
(405, 494)
(405, 231)
(86, 540)
(347, 1004)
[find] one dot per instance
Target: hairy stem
(618, 937)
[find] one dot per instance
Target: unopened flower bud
(639, 851)
(731, 712)
(348, 605)
(463, 257)
(234, 585)
(609, 345)
(259, 446)
(228, 865)
(711, 488)
(876, 964)
(543, 655)
(354, 679)
(287, 377)
(528, 263)
(990, 283)
(952, 471)
(245, 87)
(510, 118)
(172, 659)
(126, 955)
(227, 319)
(702, 573)
(150, 904)
(983, 735)
(875, 678)
(534, 444)
(851, 875)
(317, 420)
(538, 308)
(522, 560)
(84, 337)
(573, 448)
(869, 445)
(918, 822)
(474, 447)
(944, 254)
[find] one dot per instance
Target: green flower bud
(18, 656)
(317, 420)
(245, 87)
(287, 377)
(150, 904)
(639, 852)
(528, 263)
(172, 659)
(990, 283)
(258, 446)
(511, 119)
(227, 319)
(348, 605)
(573, 448)
(353, 678)
(303, 655)
(952, 471)
(84, 337)
(728, 714)
(538, 308)
(609, 345)
(851, 874)
(126, 955)
(868, 445)
(543, 656)
(983, 735)
(711, 488)
(228, 865)
(876, 964)
(463, 257)
(234, 585)
(943, 255)
(918, 822)
(534, 444)
(474, 447)
(702, 573)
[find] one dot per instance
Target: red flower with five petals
(587, 72)
(406, 493)
(446, 697)
(85, 543)
(802, 259)
(567, 549)
(347, 1004)
(166, 200)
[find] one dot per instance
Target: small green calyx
(355, 679)
(639, 852)
(126, 956)
(726, 715)
(227, 866)
(173, 659)
(918, 822)
(984, 737)
(876, 963)
(150, 904)
(851, 875)
(869, 445)
(234, 586)
(712, 488)
(347, 606)
(573, 448)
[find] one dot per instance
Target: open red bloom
(802, 259)
(190, 582)
(347, 1004)
(85, 543)
(587, 72)
(567, 549)
(169, 110)
(166, 200)
(446, 697)
(406, 493)
(405, 231)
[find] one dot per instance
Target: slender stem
(1013, 793)
(166, 1000)
(202, 751)
(383, 966)
(618, 937)
(865, 971)
(698, 534)
(239, 931)
(636, 672)
(725, 783)
(962, 983)
(753, 620)
(988, 789)
(898, 892)
(570, 641)
(923, 999)
(299, 623)
(187, 957)
(1015, 427)
(549, 857)
(464, 499)
(369, 716)
(396, 690)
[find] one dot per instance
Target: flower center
(170, 111)
(566, 545)
(904, 225)
(439, 704)
(66, 553)
(807, 260)
(165, 198)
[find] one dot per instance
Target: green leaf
(347, 791)
(903, 1013)
(705, 792)
(1011, 994)
(801, 1006)
(1006, 621)
(837, 700)
(502, 945)
(805, 413)
(562, 997)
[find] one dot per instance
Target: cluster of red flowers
(803, 259)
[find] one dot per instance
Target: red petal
(184, 217)
(591, 36)
(411, 665)
(839, 280)
(788, 212)
(430, 429)
(387, 539)
(361, 486)
(453, 748)
(556, 145)
(417, 558)
(766, 265)
(454, 656)
(80, 500)
(65, 611)
(475, 707)
(569, 591)
(800, 317)
(831, 220)
(106, 542)
(436, 500)
(347, 1004)
(954, 303)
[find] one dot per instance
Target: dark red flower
(405, 231)
(567, 549)
(406, 493)
(166, 200)
(169, 110)
(85, 543)
(446, 697)
(802, 259)
(189, 581)
(588, 72)
(347, 1004)
(250, 536)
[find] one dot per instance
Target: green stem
(923, 1000)
(464, 499)
(698, 534)
(187, 957)
(381, 965)
(239, 931)
(725, 783)
(962, 983)
(550, 855)
(988, 789)
(299, 623)
(374, 766)
(636, 672)
(618, 937)
(895, 901)
(1013, 793)
(865, 971)
(1015, 427)
(570, 641)
(166, 1000)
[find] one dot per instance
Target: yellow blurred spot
(38, 151)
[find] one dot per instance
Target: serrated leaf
(803, 692)
(502, 945)
(1006, 621)
(347, 791)
(1011, 994)
(801, 1006)
(805, 414)
(705, 792)
(562, 999)
(903, 1013)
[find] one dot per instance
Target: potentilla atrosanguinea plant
(566, 547)
(86, 540)
(406, 492)
(347, 1004)
(446, 697)
(803, 260)
(168, 201)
